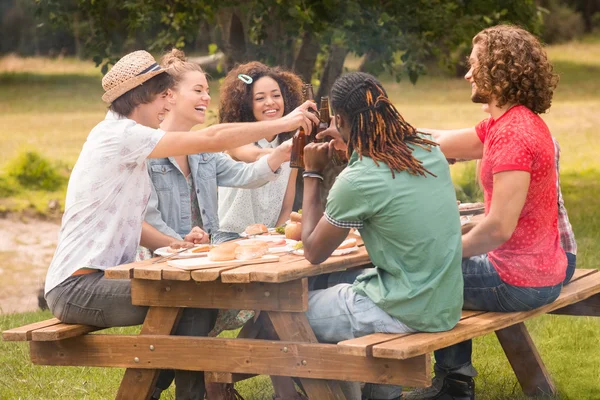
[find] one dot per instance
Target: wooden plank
(139, 383)
(526, 361)
(210, 274)
(284, 272)
(423, 343)
(289, 296)
(151, 272)
(580, 273)
(226, 377)
(23, 333)
(244, 356)
(589, 307)
(125, 271)
(175, 274)
(363, 346)
(296, 328)
(62, 331)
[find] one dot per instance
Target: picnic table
(280, 342)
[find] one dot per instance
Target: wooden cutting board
(203, 263)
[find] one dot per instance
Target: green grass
(53, 111)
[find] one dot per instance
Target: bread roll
(256, 229)
(223, 252)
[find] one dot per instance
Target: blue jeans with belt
(484, 290)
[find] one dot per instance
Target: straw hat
(129, 72)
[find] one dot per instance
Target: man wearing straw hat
(107, 196)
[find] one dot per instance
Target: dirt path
(26, 249)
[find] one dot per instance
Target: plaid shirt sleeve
(565, 230)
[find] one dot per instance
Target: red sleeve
(510, 151)
(482, 128)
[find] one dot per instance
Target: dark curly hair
(513, 67)
(235, 103)
(377, 129)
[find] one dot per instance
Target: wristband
(311, 174)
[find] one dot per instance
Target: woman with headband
(255, 92)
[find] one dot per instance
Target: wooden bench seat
(49, 330)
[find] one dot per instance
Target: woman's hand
(196, 236)
(301, 117)
(280, 155)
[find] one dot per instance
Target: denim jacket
(169, 208)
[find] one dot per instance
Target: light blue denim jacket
(169, 208)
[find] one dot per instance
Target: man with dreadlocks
(398, 193)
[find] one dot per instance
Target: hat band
(153, 67)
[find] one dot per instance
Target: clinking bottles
(301, 138)
(325, 119)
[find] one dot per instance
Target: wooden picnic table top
(290, 267)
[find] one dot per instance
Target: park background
(53, 55)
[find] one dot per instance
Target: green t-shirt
(411, 229)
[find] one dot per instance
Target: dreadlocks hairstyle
(377, 128)
(513, 67)
(235, 103)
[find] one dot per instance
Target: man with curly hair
(512, 260)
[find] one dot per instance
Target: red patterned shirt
(520, 141)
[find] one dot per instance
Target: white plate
(288, 246)
(464, 219)
(272, 234)
(341, 252)
(162, 252)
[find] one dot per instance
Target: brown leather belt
(84, 271)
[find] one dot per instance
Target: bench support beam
(526, 361)
(139, 383)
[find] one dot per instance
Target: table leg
(295, 327)
(526, 361)
(139, 383)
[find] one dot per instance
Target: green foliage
(467, 185)
(561, 22)
(8, 186)
(33, 171)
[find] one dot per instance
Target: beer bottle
(325, 119)
(301, 138)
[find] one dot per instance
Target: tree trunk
(234, 38)
(304, 65)
(333, 69)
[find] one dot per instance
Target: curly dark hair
(235, 103)
(377, 129)
(514, 68)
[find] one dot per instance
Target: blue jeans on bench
(93, 300)
(484, 290)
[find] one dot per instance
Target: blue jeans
(484, 290)
(572, 264)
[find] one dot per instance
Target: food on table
(276, 243)
(256, 229)
(296, 217)
(280, 230)
(251, 251)
(223, 252)
(347, 244)
(470, 206)
(203, 248)
(293, 231)
(298, 246)
(175, 247)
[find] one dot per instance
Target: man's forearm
(312, 209)
(484, 237)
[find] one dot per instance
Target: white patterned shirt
(239, 208)
(106, 199)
